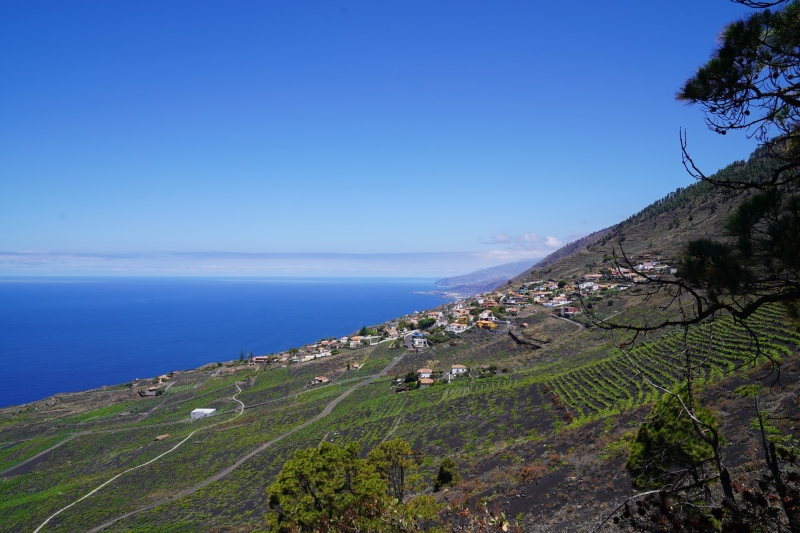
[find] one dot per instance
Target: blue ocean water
(70, 334)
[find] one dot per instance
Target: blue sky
(338, 138)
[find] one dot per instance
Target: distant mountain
(483, 280)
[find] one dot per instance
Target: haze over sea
(71, 334)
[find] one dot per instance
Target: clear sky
(359, 138)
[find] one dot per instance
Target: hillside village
(498, 311)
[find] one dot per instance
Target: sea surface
(71, 334)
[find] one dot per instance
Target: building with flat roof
(202, 413)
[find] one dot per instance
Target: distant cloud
(525, 246)
(498, 238)
(205, 263)
(529, 237)
(503, 248)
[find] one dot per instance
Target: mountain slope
(660, 230)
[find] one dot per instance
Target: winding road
(154, 459)
(223, 473)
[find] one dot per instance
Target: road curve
(135, 467)
(110, 480)
(223, 473)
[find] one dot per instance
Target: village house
(458, 313)
(559, 300)
(321, 380)
(458, 370)
(568, 311)
(486, 315)
(540, 296)
(151, 391)
(425, 372)
(620, 272)
(456, 328)
(425, 383)
(261, 359)
(418, 340)
(648, 265)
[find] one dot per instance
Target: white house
(458, 370)
(425, 372)
(456, 328)
(202, 413)
(418, 340)
(486, 315)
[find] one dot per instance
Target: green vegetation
(447, 474)
(329, 488)
(425, 323)
(669, 434)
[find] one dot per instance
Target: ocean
(71, 334)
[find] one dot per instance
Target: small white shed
(200, 413)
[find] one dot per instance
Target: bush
(531, 473)
(447, 475)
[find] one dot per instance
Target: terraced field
(632, 377)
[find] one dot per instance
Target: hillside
(539, 425)
(657, 231)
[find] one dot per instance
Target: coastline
(137, 327)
